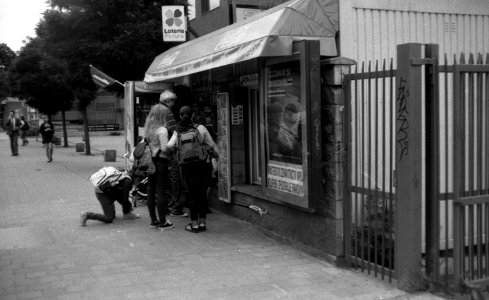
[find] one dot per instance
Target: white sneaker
(131, 215)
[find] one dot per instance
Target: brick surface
(56, 258)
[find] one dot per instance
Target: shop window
(285, 122)
(208, 5)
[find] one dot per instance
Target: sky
(18, 19)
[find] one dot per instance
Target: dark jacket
(10, 126)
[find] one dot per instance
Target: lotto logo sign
(174, 24)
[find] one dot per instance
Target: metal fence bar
(471, 166)
(369, 160)
(377, 230)
(446, 177)
(457, 182)
(362, 217)
(391, 164)
(384, 200)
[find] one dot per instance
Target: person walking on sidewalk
(156, 133)
(47, 132)
(175, 202)
(189, 139)
(24, 127)
(107, 197)
(13, 126)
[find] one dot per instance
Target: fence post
(432, 139)
(408, 169)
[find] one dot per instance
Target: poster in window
(223, 140)
(285, 122)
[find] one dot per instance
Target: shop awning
(270, 33)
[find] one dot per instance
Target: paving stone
(48, 255)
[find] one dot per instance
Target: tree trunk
(65, 134)
(85, 131)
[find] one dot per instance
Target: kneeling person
(107, 196)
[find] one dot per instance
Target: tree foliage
(119, 37)
(6, 58)
(39, 79)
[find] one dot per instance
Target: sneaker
(165, 226)
(83, 218)
(181, 215)
(130, 215)
(192, 228)
(202, 227)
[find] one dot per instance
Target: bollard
(80, 147)
(109, 155)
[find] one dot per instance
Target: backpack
(143, 165)
(190, 149)
(106, 177)
(25, 126)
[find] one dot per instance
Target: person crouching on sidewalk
(107, 197)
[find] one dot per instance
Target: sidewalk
(46, 254)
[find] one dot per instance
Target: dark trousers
(120, 194)
(22, 137)
(14, 142)
(196, 180)
(157, 185)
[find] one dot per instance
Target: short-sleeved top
(158, 142)
(47, 132)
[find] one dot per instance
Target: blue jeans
(157, 185)
(175, 202)
(119, 193)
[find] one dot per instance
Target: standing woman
(195, 172)
(156, 133)
(47, 132)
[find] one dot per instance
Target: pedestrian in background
(156, 133)
(13, 127)
(175, 202)
(47, 132)
(23, 131)
(120, 193)
(194, 172)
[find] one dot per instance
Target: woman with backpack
(189, 139)
(156, 135)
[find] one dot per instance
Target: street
(46, 254)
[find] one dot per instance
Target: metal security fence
(471, 170)
(440, 231)
(369, 214)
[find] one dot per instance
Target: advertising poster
(285, 123)
(223, 140)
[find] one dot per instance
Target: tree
(117, 36)
(39, 79)
(6, 58)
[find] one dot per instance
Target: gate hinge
(423, 61)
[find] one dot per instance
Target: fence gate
(369, 235)
(454, 248)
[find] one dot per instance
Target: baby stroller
(139, 191)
